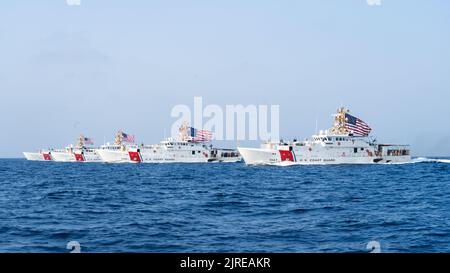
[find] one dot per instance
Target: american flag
(127, 138)
(200, 135)
(356, 126)
(88, 141)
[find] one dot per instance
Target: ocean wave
(422, 160)
(229, 207)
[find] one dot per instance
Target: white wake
(420, 160)
(432, 160)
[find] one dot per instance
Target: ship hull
(113, 156)
(88, 157)
(171, 157)
(173, 160)
(257, 156)
(40, 156)
(33, 156)
(199, 155)
(63, 156)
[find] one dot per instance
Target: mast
(316, 131)
(80, 143)
(183, 131)
(339, 122)
(118, 138)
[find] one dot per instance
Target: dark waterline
(223, 207)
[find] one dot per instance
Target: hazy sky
(110, 64)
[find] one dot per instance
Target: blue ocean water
(224, 207)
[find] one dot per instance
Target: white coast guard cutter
(347, 142)
(41, 155)
(79, 153)
(190, 146)
(85, 153)
(119, 152)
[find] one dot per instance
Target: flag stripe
(200, 135)
(127, 138)
(88, 141)
(357, 126)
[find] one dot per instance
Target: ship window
(193, 152)
(362, 149)
(355, 150)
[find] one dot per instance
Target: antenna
(316, 126)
